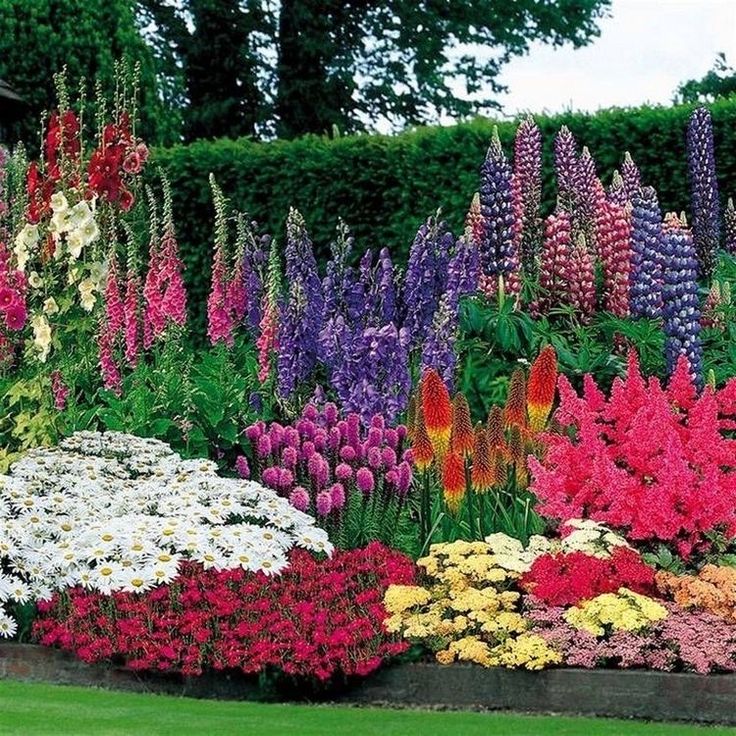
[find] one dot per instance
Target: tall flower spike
(438, 350)
(630, 176)
(497, 209)
(462, 427)
(453, 481)
(555, 260)
(154, 320)
(219, 320)
(267, 342)
(483, 472)
(421, 444)
(566, 168)
(517, 455)
(540, 392)
(474, 221)
(645, 291)
(496, 434)
(114, 309)
(614, 251)
(131, 309)
(528, 177)
(704, 202)
(581, 280)
(514, 411)
(437, 412)
(589, 194)
(617, 191)
(729, 227)
(174, 301)
(681, 310)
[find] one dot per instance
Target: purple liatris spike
(645, 292)
(566, 168)
(703, 189)
(630, 176)
(302, 312)
(729, 227)
(681, 303)
(497, 209)
(528, 177)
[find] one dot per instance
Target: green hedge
(384, 186)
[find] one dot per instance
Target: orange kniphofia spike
(421, 445)
(453, 481)
(483, 473)
(462, 427)
(540, 391)
(514, 412)
(437, 410)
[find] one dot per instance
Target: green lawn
(28, 709)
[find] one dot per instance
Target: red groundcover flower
(319, 618)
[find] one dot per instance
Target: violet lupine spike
(681, 303)
(729, 227)
(528, 176)
(566, 168)
(425, 278)
(645, 287)
(617, 190)
(589, 194)
(303, 311)
(704, 202)
(497, 209)
(474, 222)
(554, 262)
(438, 351)
(581, 280)
(614, 251)
(630, 176)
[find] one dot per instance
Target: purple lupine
(645, 291)
(566, 169)
(729, 227)
(704, 203)
(617, 191)
(425, 278)
(497, 209)
(438, 350)
(630, 176)
(681, 303)
(303, 311)
(528, 175)
(588, 195)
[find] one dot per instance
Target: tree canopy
(720, 81)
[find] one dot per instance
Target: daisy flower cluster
(113, 512)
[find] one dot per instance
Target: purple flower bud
(289, 457)
(263, 446)
(374, 457)
(388, 455)
(391, 437)
(319, 470)
(310, 412)
(308, 450)
(347, 453)
(334, 439)
(305, 428)
(286, 478)
(241, 466)
(324, 503)
(276, 432)
(364, 480)
(342, 425)
(392, 478)
(254, 431)
(337, 495)
(377, 421)
(291, 437)
(299, 498)
(270, 477)
(320, 439)
(343, 472)
(353, 430)
(330, 414)
(375, 437)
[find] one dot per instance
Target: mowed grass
(27, 709)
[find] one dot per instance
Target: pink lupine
(131, 309)
(555, 259)
(581, 281)
(614, 251)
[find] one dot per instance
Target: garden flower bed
(508, 466)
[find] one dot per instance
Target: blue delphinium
(497, 209)
(681, 303)
(701, 165)
(645, 293)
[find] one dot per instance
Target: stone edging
(614, 693)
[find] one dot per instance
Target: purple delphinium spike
(497, 209)
(425, 278)
(729, 227)
(256, 264)
(438, 351)
(566, 169)
(630, 176)
(302, 313)
(681, 303)
(528, 176)
(463, 270)
(703, 189)
(384, 289)
(645, 291)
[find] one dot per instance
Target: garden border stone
(641, 694)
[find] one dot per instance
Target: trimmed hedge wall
(384, 186)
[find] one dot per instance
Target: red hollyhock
(317, 619)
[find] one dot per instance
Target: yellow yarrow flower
(621, 611)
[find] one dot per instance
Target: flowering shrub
(654, 463)
(356, 481)
(467, 609)
(563, 579)
(116, 512)
(713, 590)
(318, 619)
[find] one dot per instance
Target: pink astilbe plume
(653, 463)
(614, 251)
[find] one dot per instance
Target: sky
(645, 49)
